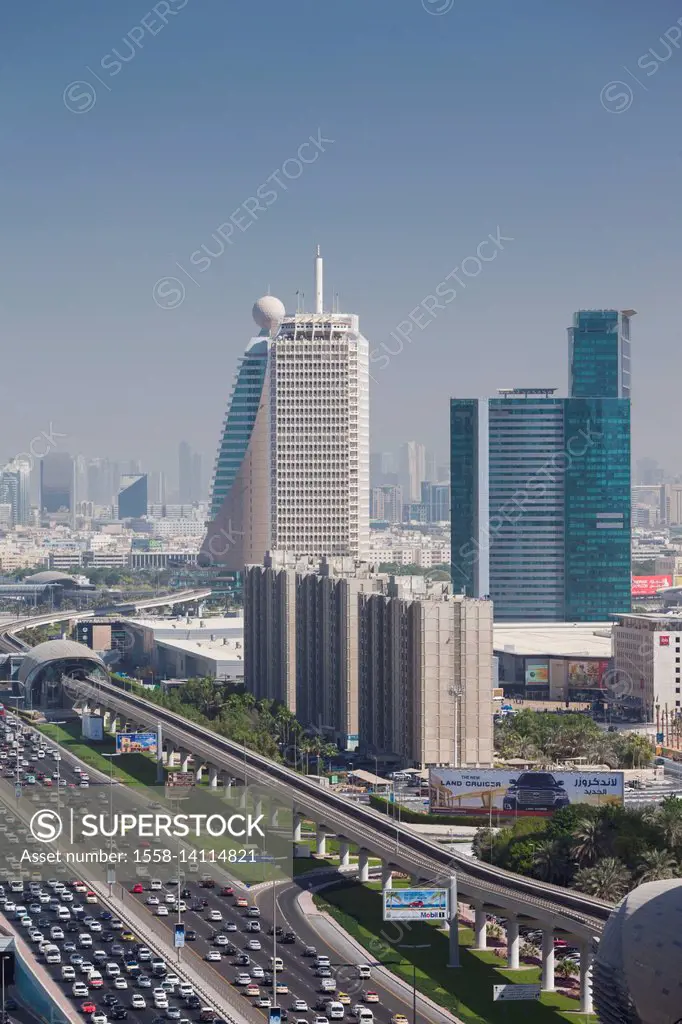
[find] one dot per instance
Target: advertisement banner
(416, 904)
(587, 675)
(135, 742)
(482, 791)
(648, 586)
(537, 673)
(92, 727)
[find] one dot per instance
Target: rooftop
(554, 639)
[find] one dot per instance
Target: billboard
(135, 742)
(470, 790)
(537, 672)
(416, 904)
(92, 727)
(648, 586)
(587, 675)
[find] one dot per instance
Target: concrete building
(189, 648)
(387, 504)
(646, 652)
(670, 509)
(292, 471)
(412, 471)
(392, 665)
(57, 484)
(554, 660)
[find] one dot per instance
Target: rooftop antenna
(319, 305)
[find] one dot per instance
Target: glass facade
(599, 354)
(597, 530)
(464, 515)
(239, 420)
(57, 482)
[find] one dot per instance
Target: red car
(88, 1007)
(227, 890)
(137, 888)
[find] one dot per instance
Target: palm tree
(545, 860)
(588, 842)
(567, 969)
(668, 817)
(609, 880)
(656, 865)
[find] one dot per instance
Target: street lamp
(424, 945)
(111, 817)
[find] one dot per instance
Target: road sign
(506, 993)
(111, 876)
(179, 936)
(275, 1015)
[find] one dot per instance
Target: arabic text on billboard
(647, 586)
(587, 675)
(135, 742)
(463, 790)
(537, 673)
(415, 904)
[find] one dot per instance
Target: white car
(120, 982)
(152, 901)
(138, 1002)
(185, 990)
(112, 970)
(162, 911)
(257, 973)
(300, 1006)
(213, 956)
(99, 1018)
(253, 944)
(171, 897)
(264, 1002)
(68, 973)
(242, 979)
(80, 989)
(215, 915)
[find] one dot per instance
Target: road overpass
(488, 889)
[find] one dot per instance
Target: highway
(298, 970)
(502, 891)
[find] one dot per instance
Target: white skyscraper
(292, 470)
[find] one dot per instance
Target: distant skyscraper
(57, 483)
(292, 471)
(132, 497)
(387, 504)
(412, 470)
(156, 484)
(599, 353)
(436, 499)
(15, 484)
(184, 473)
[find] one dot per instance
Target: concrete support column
(184, 760)
(344, 852)
(243, 795)
(170, 754)
(386, 876)
(200, 772)
(298, 826)
(547, 983)
(259, 807)
(212, 776)
(414, 881)
(586, 978)
(321, 841)
(106, 719)
(481, 928)
(274, 815)
(512, 943)
(363, 864)
(114, 724)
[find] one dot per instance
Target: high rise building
(156, 484)
(412, 471)
(15, 484)
(387, 504)
(184, 473)
(394, 665)
(292, 471)
(57, 483)
(436, 499)
(540, 504)
(599, 353)
(671, 504)
(132, 497)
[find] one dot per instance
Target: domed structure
(51, 576)
(42, 668)
(268, 312)
(638, 968)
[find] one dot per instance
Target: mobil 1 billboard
(482, 791)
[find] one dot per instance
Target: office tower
(132, 496)
(6, 515)
(9, 496)
(540, 504)
(431, 468)
(156, 484)
(599, 353)
(671, 504)
(382, 472)
(392, 665)
(292, 471)
(81, 479)
(15, 484)
(57, 483)
(184, 473)
(387, 504)
(197, 478)
(412, 470)
(436, 499)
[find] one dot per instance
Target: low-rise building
(647, 662)
(562, 661)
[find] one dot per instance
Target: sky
(132, 134)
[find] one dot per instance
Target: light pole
(17, 777)
(111, 818)
(2, 969)
(424, 945)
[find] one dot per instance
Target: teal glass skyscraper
(599, 353)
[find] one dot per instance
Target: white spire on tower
(319, 285)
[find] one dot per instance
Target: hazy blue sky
(446, 127)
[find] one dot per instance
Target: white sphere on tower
(268, 312)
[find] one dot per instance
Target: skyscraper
(599, 353)
(412, 470)
(15, 483)
(57, 483)
(132, 497)
(292, 471)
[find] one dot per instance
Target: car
(241, 901)
(320, 1020)
(152, 901)
(185, 989)
(227, 890)
(281, 989)
(370, 996)
(213, 956)
(254, 944)
(253, 912)
(142, 981)
(161, 1002)
(288, 939)
(193, 1001)
(68, 973)
(215, 915)
(243, 960)
(242, 979)
(207, 883)
(343, 998)
(323, 971)
(162, 911)
(118, 1013)
(190, 935)
(399, 1018)
(252, 990)
(264, 1002)
(221, 940)
(230, 926)
(120, 983)
(88, 1007)
(99, 1018)
(95, 979)
(137, 888)
(79, 989)
(138, 1002)
(109, 999)
(309, 951)
(90, 897)
(127, 936)
(144, 954)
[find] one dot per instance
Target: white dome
(268, 313)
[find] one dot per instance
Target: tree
(657, 865)
(567, 969)
(588, 842)
(608, 880)
(545, 860)
(668, 818)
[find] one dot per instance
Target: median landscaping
(131, 769)
(466, 991)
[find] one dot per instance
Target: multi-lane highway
(229, 934)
